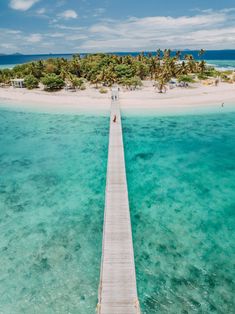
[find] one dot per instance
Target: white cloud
(228, 10)
(68, 14)
(99, 12)
(56, 35)
(209, 30)
(13, 32)
(76, 37)
(149, 26)
(41, 11)
(22, 5)
(34, 38)
(8, 46)
(60, 3)
(204, 30)
(69, 28)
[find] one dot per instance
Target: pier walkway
(117, 291)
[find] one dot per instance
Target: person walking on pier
(114, 118)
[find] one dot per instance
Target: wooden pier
(117, 291)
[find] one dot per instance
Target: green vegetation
(103, 90)
(186, 79)
(31, 82)
(75, 82)
(131, 83)
(202, 76)
(211, 72)
(5, 76)
(225, 78)
(83, 87)
(104, 70)
(52, 82)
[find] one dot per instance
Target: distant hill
(11, 54)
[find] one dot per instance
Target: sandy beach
(144, 98)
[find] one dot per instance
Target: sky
(70, 26)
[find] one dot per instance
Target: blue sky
(60, 26)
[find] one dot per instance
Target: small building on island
(17, 83)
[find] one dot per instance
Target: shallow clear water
(52, 187)
(222, 64)
(181, 178)
(7, 66)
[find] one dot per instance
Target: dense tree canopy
(108, 69)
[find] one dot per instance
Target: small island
(147, 80)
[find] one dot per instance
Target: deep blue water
(215, 55)
(20, 59)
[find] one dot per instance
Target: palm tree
(74, 81)
(166, 54)
(5, 76)
(183, 69)
(64, 74)
(152, 66)
(178, 54)
(202, 66)
(190, 63)
(74, 65)
(96, 79)
(161, 85)
(108, 69)
(201, 53)
(162, 81)
(110, 76)
(159, 54)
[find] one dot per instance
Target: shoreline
(145, 99)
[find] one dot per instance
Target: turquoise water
(52, 187)
(7, 66)
(181, 178)
(222, 64)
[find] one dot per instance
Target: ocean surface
(181, 179)
(222, 64)
(52, 187)
(9, 61)
(224, 59)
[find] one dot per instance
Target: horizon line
(102, 52)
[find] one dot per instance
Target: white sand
(196, 95)
(89, 99)
(145, 98)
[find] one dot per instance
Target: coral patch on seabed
(52, 188)
(181, 180)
